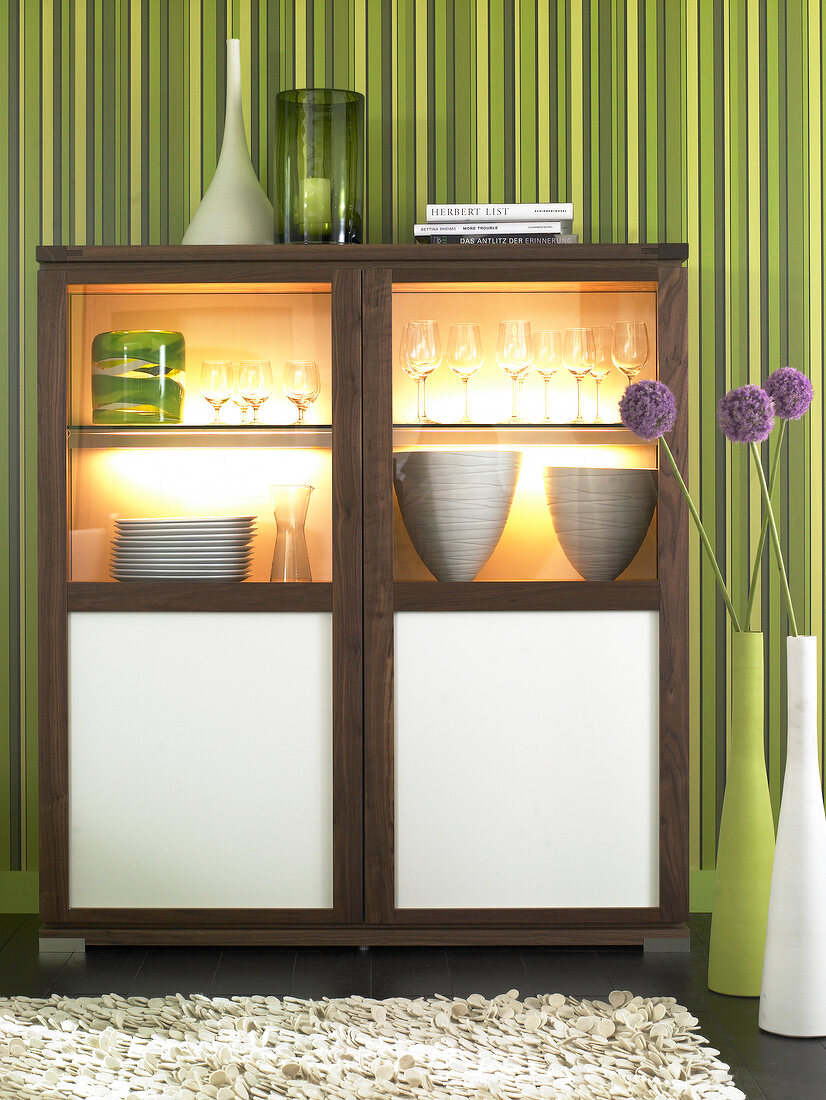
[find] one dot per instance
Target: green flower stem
(775, 537)
(695, 515)
(761, 542)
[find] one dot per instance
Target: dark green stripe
(386, 125)
(13, 750)
(605, 177)
(91, 135)
(435, 147)
(307, 45)
(8, 552)
(57, 134)
(450, 101)
(31, 226)
(497, 100)
(588, 228)
(275, 53)
(255, 99)
(144, 78)
(107, 122)
(508, 141)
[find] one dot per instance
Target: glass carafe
(290, 560)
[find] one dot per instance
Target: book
(499, 212)
(423, 229)
(498, 238)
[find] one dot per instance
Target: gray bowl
(455, 505)
(600, 516)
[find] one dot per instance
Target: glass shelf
(522, 435)
(200, 435)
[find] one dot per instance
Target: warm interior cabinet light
(576, 287)
(545, 306)
(198, 288)
(219, 321)
(529, 548)
(142, 482)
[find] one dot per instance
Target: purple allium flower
(791, 391)
(648, 409)
(746, 415)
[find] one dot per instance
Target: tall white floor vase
(793, 994)
(235, 209)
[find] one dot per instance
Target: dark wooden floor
(764, 1066)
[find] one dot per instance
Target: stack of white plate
(183, 548)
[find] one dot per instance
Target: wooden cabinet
(375, 755)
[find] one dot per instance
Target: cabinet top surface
(360, 255)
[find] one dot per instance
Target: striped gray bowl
(600, 516)
(455, 505)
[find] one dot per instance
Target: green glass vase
(319, 166)
(745, 849)
(138, 377)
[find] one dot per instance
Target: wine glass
(547, 359)
(603, 346)
(579, 356)
(409, 370)
(255, 384)
(216, 384)
(630, 352)
(464, 355)
(301, 384)
(237, 397)
(513, 354)
(423, 354)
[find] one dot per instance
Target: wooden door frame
(667, 595)
(57, 596)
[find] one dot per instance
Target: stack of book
(498, 223)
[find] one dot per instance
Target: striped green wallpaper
(698, 120)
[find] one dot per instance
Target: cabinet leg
(60, 945)
(666, 943)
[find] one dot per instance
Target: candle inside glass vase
(316, 206)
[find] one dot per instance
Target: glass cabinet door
(505, 398)
(517, 583)
(211, 621)
(191, 402)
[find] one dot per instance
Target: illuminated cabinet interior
(352, 541)
(189, 468)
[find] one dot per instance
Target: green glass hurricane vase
(319, 166)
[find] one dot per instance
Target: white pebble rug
(254, 1048)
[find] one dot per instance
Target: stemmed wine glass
(464, 355)
(301, 384)
(630, 352)
(406, 367)
(255, 383)
(237, 397)
(422, 353)
(513, 354)
(411, 369)
(603, 345)
(547, 359)
(216, 384)
(579, 356)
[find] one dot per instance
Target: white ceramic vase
(601, 517)
(235, 209)
(455, 505)
(793, 993)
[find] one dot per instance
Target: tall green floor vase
(745, 849)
